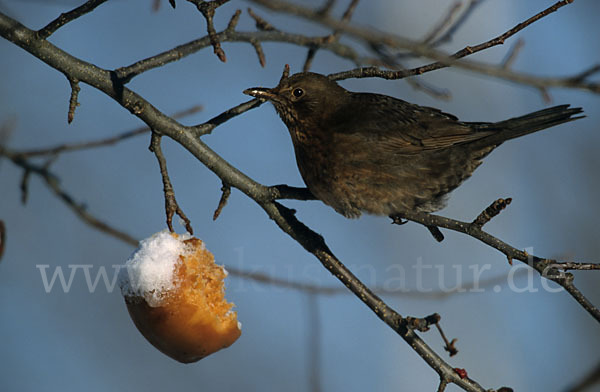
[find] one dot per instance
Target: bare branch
(105, 81)
(210, 125)
(67, 17)
(109, 141)
(78, 208)
(282, 216)
(543, 266)
(126, 74)
(171, 205)
(421, 49)
(261, 24)
(312, 51)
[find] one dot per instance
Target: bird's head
(303, 99)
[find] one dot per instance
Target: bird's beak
(261, 93)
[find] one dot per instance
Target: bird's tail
(529, 123)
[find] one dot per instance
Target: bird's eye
(298, 92)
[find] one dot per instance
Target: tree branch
(107, 82)
(67, 17)
(443, 60)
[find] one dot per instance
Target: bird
(362, 152)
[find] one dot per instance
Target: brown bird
(364, 152)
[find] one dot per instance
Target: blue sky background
(57, 341)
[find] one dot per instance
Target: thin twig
(490, 212)
(449, 346)
(78, 208)
(259, 52)
(226, 192)
(443, 23)
(67, 17)
(261, 23)
(126, 74)
(24, 186)
(73, 103)
(460, 21)
(207, 8)
(543, 266)
(171, 205)
(312, 51)
(511, 56)
(442, 386)
(210, 125)
(235, 18)
(451, 60)
(109, 141)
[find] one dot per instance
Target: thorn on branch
(235, 18)
(259, 52)
(261, 24)
(491, 211)
(207, 8)
(73, 102)
(226, 189)
(171, 206)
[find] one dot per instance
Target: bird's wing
(402, 127)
